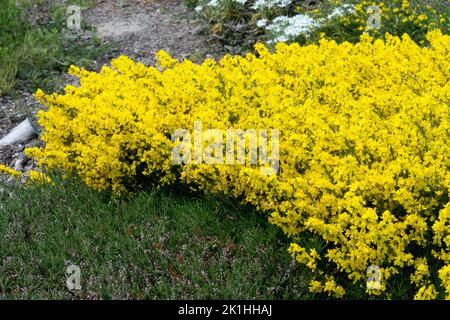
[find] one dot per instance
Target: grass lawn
(157, 245)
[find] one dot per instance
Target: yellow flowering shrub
(364, 175)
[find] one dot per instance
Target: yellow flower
(39, 177)
(10, 171)
(426, 293)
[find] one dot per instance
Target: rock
(18, 165)
(22, 157)
(24, 131)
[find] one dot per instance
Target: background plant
(34, 43)
(342, 20)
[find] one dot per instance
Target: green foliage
(158, 245)
(11, 34)
(30, 52)
(235, 23)
(8, 73)
(397, 17)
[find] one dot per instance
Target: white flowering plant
(245, 22)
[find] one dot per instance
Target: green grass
(157, 245)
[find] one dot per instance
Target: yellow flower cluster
(402, 10)
(399, 15)
(34, 176)
(39, 177)
(364, 156)
(426, 293)
(10, 171)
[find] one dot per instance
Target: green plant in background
(306, 21)
(35, 43)
(347, 20)
(8, 73)
(229, 20)
(10, 39)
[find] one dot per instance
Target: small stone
(18, 165)
(22, 156)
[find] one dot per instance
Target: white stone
(22, 132)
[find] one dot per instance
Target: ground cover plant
(158, 245)
(363, 173)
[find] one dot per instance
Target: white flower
(286, 28)
(262, 4)
(261, 23)
(198, 8)
(278, 39)
(342, 10)
(293, 26)
(213, 3)
(241, 1)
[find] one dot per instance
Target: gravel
(142, 28)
